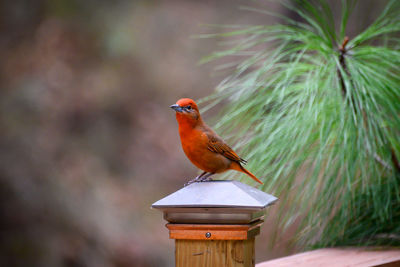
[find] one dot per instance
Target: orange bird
(204, 148)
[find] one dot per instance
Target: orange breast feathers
(204, 148)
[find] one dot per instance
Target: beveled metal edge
(163, 207)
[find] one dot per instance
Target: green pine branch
(321, 117)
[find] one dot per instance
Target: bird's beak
(176, 107)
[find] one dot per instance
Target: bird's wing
(217, 145)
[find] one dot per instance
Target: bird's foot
(205, 179)
(195, 180)
(188, 183)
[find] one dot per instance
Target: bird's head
(186, 111)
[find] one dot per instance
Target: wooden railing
(339, 257)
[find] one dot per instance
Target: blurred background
(87, 139)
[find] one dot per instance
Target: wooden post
(214, 244)
(215, 223)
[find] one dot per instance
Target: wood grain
(213, 231)
(339, 257)
(214, 253)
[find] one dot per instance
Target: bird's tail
(240, 168)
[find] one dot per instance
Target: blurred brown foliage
(87, 141)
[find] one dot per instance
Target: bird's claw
(207, 179)
(188, 183)
(195, 180)
(198, 180)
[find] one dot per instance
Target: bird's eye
(189, 107)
